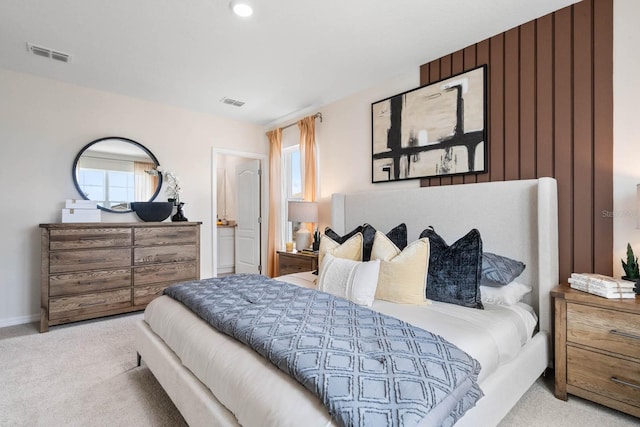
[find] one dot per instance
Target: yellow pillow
(350, 249)
(403, 274)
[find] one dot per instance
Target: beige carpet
(85, 374)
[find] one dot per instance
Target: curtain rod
(315, 116)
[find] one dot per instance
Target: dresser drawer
(65, 261)
(164, 235)
(160, 254)
(143, 295)
(94, 302)
(174, 272)
(613, 331)
(88, 281)
(89, 238)
(608, 376)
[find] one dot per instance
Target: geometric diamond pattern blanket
(367, 368)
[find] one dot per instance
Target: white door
(249, 222)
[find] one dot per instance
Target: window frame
(287, 226)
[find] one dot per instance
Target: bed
(214, 380)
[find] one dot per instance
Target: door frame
(264, 208)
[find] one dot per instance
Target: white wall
(626, 147)
(344, 143)
(43, 125)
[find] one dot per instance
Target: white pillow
(353, 280)
(509, 294)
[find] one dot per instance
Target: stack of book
(81, 211)
(604, 286)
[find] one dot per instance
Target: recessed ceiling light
(241, 8)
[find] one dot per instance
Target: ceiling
(290, 56)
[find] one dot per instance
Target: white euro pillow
(509, 294)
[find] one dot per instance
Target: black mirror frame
(131, 141)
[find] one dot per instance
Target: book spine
(602, 293)
(604, 281)
(622, 288)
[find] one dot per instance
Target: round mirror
(113, 172)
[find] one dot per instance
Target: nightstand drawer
(608, 376)
(289, 263)
(608, 330)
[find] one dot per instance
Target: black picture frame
(436, 130)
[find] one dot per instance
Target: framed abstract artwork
(436, 130)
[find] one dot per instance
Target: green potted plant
(631, 269)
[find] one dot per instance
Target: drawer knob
(624, 334)
(628, 384)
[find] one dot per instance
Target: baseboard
(11, 321)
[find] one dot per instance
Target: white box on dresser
(81, 215)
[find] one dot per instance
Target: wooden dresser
(295, 262)
(597, 349)
(92, 270)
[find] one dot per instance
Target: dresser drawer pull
(625, 334)
(615, 380)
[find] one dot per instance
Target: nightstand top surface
(564, 291)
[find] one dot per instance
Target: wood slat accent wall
(550, 113)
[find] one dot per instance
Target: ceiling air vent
(233, 102)
(48, 53)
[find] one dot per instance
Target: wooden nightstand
(597, 349)
(295, 262)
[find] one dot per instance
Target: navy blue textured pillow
(398, 235)
(455, 271)
(341, 239)
(499, 270)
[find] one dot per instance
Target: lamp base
(303, 238)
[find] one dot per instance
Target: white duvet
(258, 394)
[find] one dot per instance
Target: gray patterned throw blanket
(367, 368)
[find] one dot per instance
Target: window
(292, 185)
(109, 188)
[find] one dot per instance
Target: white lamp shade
(301, 211)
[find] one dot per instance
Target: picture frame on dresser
(597, 348)
(91, 270)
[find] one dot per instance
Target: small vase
(179, 216)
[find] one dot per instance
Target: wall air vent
(48, 53)
(233, 102)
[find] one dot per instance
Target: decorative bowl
(152, 211)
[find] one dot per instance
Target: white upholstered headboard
(517, 219)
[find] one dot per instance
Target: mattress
(261, 395)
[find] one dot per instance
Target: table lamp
(302, 211)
